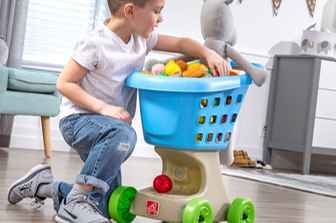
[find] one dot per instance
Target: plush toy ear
(228, 2)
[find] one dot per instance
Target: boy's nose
(160, 19)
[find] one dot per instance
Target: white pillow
(3, 51)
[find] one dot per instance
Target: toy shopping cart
(188, 120)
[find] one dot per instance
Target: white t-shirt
(109, 62)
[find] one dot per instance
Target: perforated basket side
(181, 120)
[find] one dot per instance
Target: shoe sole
(32, 173)
(60, 220)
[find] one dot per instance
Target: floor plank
(273, 204)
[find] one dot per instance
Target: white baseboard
(29, 137)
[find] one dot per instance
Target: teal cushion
(40, 82)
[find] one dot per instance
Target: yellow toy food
(194, 64)
(204, 103)
(172, 68)
(195, 71)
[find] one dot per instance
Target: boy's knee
(129, 136)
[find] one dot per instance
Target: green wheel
(120, 203)
(197, 210)
(241, 211)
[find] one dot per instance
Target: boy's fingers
(227, 70)
(127, 118)
(221, 69)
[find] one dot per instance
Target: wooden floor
(273, 204)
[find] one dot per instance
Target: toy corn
(195, 71)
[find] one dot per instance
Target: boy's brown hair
(115, 5)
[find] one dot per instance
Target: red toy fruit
(162, 184)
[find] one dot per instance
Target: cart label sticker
(152, 208)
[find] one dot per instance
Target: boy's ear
(129, 11)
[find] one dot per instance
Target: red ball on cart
(162, 184)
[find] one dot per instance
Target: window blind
(54, 26)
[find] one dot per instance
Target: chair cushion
(28, 81)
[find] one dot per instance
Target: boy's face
(148, 17)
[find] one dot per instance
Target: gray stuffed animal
(220, 35)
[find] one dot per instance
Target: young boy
(97, 109)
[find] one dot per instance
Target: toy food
(227, 137)
(195, 71)
(146, 72)
(183, 65)
(228, 100)
(172, 68)
(209, 137)
(162, 184)
(158, 68)
(207, 74)
(234, 73)
(193, 64)
(181, 69)
(177, 74)
(199, 137)
(204, 103)
(162, 74)
(201, 120)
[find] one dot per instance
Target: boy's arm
(193, 48)
(67, 85)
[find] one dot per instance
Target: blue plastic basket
(189, 113)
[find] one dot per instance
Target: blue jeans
(103, 144)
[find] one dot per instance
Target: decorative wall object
(311, 6)
(276, 6)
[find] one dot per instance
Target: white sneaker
(79, 210)
(263, 165)
(27, 186)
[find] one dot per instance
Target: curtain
(13, 17)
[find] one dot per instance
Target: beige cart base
(195, 174)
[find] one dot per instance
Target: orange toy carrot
(195, 71)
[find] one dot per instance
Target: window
(54, 26)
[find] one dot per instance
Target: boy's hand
(186, 46)
(217, 64)
(116, 112)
